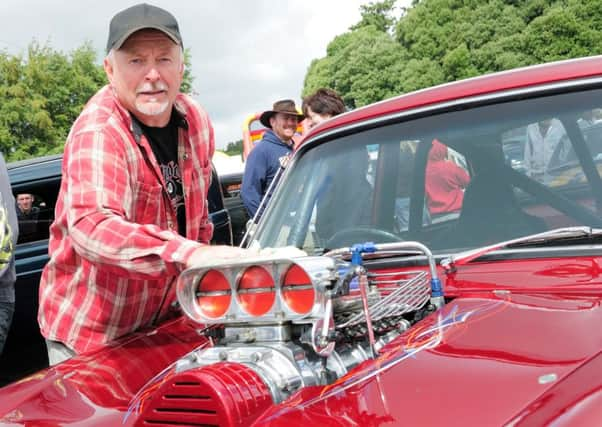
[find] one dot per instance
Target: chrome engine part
(284, 365)
(302, 321)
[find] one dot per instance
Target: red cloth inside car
(445, 181)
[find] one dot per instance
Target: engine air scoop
(222, 394)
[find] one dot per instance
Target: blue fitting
(356, 254)
(436, 288)
(358, 249)
(369, 247)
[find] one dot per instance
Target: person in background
(27, 215)
(445, 181)
(132, 207)
(26, 208)
(588, 118)
(270, 154)
(321, 105)
(9, 232)
(317, 107)
(544, 139)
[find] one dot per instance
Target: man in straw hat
(132, 208)
(270, 154)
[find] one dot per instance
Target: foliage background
(41, 94)
(393, 51)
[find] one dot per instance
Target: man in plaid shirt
(132, 208)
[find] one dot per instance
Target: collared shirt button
(170, 225)
(185, 156)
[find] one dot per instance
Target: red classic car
(453, 276)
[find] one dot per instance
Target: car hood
(483, 359)
(479, 361)
(97, 388)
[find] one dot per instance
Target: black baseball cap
(139, 17)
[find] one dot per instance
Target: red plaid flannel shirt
(114, 246)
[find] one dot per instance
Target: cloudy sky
(245, 54)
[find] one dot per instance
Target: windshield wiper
(570, 235)
(556, 236)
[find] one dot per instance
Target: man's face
(146, 73)
(24, 202)
(284, 125)
(314, 118)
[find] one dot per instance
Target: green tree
(437, 41)
(234, 148)
(361, 66)
(188, 79)
(378, 15)
(43, 92)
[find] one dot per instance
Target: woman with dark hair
(321, 105)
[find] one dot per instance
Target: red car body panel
(575, 401)
(432, 380)
(524, 326)
(99, 383)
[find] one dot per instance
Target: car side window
(549, 157)
(34, 216)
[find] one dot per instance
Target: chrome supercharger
(303, 321)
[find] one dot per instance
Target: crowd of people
(271, 153)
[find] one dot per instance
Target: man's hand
(210, 254)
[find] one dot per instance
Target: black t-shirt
(164, 143)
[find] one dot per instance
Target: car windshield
(453, 180)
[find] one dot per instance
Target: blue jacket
(261, 167)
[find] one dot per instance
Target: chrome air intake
(306, 321)
(260, 290)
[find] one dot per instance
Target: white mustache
(151, 87)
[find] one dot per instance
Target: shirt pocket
(149, 206)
